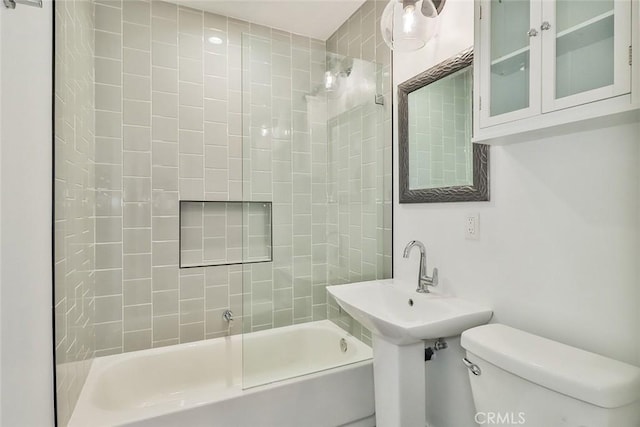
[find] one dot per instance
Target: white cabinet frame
(484, 69)
(619, 102)
(621, 67)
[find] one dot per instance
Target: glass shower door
(283, 163)
(359, 193)
(295, 95)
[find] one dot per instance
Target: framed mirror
(438, 161)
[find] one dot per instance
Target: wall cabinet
(542, 63)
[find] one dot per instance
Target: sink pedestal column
(398, 375)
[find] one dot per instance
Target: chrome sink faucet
(423, 279)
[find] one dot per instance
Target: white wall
(0, 222)
(26, 368)
(559, 240)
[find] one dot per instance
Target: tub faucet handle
(227, 315)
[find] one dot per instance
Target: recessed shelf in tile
(224, 233)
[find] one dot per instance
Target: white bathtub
(201, 384)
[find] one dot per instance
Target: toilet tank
(532, 381)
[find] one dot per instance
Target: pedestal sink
(400, 320)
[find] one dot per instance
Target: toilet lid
(583, 375)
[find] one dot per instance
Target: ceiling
(313, 18)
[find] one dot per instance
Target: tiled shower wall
(168, 101)
(169, 114)
(440, 133)
(74, 201)
(360, 144)
(169, 126)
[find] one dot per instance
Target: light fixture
(405, 24)
(215, 40)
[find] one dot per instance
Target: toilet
(518, 378)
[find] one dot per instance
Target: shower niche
(224, 233)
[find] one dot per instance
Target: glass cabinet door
(585, 51)
(509, 58)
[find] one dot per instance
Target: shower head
(346, 66)
(337, 68)
(339, 65)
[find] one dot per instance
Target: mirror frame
(479, 190)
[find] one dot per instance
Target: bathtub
(292, 376)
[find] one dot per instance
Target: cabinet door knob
(532, 32)
(545, 26)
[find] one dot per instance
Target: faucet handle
(434, 277)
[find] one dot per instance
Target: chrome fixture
(227, 315)
(430, 352)
(423, 279)
(343, 345)
(475, 369)
(405, 25)
(440, 344)
(338, 68)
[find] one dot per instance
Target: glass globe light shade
(404, 25)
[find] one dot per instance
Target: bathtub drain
(343, 345)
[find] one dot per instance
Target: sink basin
(394, 311)
(400, 319)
